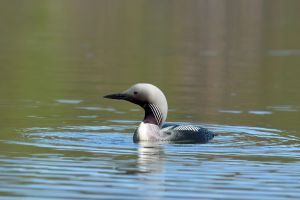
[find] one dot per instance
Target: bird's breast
(147, 132)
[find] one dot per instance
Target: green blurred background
(217, 61)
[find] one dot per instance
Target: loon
(153, 127)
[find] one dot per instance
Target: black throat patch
(153, 115)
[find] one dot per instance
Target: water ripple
(102, 162)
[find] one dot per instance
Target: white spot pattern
(187, 128)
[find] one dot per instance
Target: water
(93, 162)
(230, 66)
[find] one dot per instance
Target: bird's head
(145, 95)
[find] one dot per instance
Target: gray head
(148, 97)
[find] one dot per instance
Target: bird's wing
(185, 133)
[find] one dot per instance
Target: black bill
(116, 96)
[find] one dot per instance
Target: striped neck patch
(157, 113)
(153, 114)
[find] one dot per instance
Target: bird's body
(152, 128)
(172, 133)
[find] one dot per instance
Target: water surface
(230, 66)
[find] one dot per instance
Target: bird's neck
(153, 115)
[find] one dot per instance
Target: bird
(153, 127)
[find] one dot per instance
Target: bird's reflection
(150, 157)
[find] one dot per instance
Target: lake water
(230, 66)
